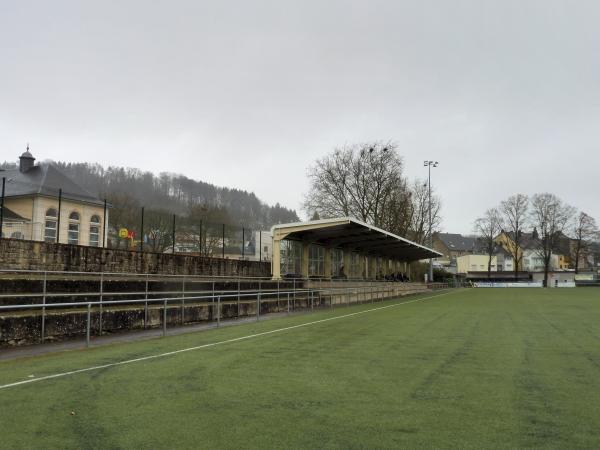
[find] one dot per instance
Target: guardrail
(327, 297)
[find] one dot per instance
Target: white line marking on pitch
(213, 344)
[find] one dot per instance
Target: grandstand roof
(346, 232)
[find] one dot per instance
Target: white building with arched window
(43, 204)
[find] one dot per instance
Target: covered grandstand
(342, 248)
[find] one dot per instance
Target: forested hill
(132, 188)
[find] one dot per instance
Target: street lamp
(430, 164)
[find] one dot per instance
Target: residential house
(529, 256)
(453, 246)
(478, 262)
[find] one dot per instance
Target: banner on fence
(514, 284)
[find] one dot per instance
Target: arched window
(50, 225)
(73, 235)
(95, 231)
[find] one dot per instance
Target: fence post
(173, 235)
(101, 300)
(58, 217)
(104, 230)
(288, 302)
(238, 298)
(218, 312)
(89, 318)
(258, 305)
(146, 304)
(200, 240)
(2, 205)
(183, 301)
(312, 299)
(142, 237)
(44, 309)
(165, 319)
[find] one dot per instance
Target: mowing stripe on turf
(213, 344)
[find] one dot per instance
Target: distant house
(43, 204)
(453, 246)
(530, 259)
(478, 262)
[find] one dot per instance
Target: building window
(73, 235)
(50, 225)
(95, 231)
(337, 263)
(316, 261)
(291, 257)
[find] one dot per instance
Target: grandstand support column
(364, 266)
(327, 262)
(305, 250)
(347, 253)
(276, 259)
(372, 267)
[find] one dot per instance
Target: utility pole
(429, 164)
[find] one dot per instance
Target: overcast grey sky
(505, 94)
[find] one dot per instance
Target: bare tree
(397, 216)
(550, 216)
(585, 231)
(159, 230)
(513, 212)
(419, 212)
(358, 181)
(487, 228)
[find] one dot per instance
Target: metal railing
(294, 296)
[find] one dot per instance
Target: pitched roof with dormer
(458, 242)
(45, 180)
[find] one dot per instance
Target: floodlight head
(425, 163)
(435, 164)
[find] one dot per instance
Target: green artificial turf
(479, 368)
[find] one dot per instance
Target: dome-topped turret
(26, 160)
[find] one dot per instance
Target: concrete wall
(30, 255)
(475, 263)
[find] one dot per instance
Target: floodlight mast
(428, 164)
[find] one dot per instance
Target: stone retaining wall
(32, 255)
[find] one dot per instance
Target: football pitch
(471, 368)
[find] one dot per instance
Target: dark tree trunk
(577, 256)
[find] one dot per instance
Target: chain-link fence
(66, 221)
